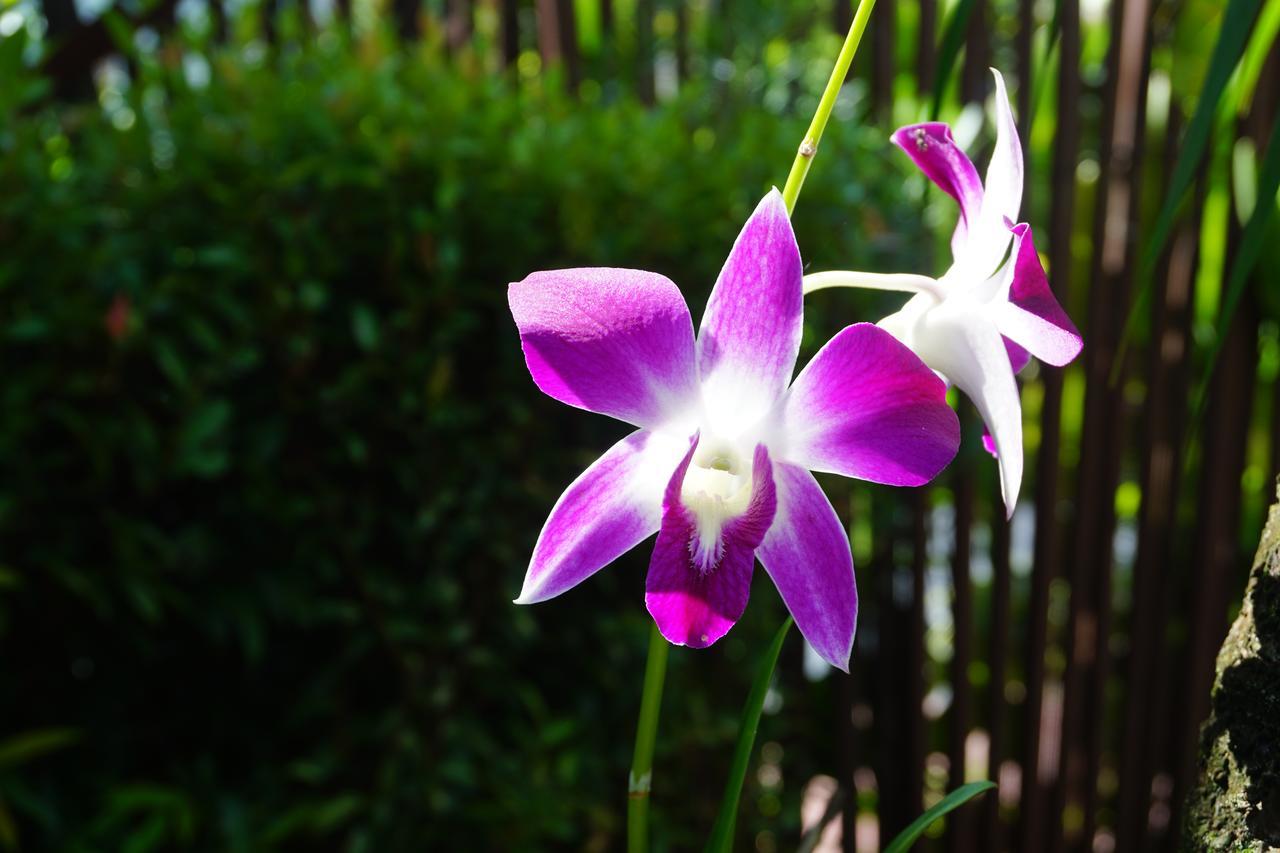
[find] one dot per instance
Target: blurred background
(271, 466)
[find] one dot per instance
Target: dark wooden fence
(1090, 722)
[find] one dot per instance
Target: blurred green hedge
(271, 466)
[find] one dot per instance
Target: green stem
(809, 147)
(655, 671)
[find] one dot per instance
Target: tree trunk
(1236, 802)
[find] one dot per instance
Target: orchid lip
(717, 488)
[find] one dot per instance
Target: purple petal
(806, 553)
(695, 605)
(868, 407)
(613, 506)
(750, 333)
(932, 148)
(1032, 317)
(1018, 357)
(614, 341)
(989, 443)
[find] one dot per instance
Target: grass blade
(1247, 254)
(949, 803)
(949, 49)
(721, 840)
(22, 748)
(1236, 25)
(1040, 76)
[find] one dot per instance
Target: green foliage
(1237, 22)
(271, 467)
(902, 841)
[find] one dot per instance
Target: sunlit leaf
(1236, 25)
(949, 803)
(1248, 252)
(948, 51)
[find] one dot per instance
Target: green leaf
(721, 840)
(1040, 73)
(1236, 24)
(949, 803)
(952, 38)
(22, 748)
(202, 450)
(1255, 55)
(1248, 252)
(8, 829)
(364, 327)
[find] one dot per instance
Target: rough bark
(1236, 802)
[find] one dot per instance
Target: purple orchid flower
(720, 465)
(993, 309)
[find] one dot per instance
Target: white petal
(1002, 195)
(966, 346)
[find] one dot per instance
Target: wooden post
(644, 51)
(510, 11)
(997, 651)
(408, 19)
(927, 47)
(1047, 554)
(960, 824)
(1157, 559)
(458, 23)
(975, 79)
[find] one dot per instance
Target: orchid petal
(1018, 357)
(614, 341)
(750, 333)
(806, 553)
(989, 443)
(868, 407)
(932, 148)
(695, 605)
(967, 347)
(1002, 195)
(613, 506)
(1032, 317)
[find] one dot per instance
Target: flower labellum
(720, 464)
(993, 309)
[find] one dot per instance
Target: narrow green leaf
(721, 840)
(1247, 254)
(949, 803)
(1040, 75)
(20, 749)
(949, 49)
(1255, 55)
(8, 829)
(1236, 25)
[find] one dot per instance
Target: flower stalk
(655, 670)
(809, 146)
